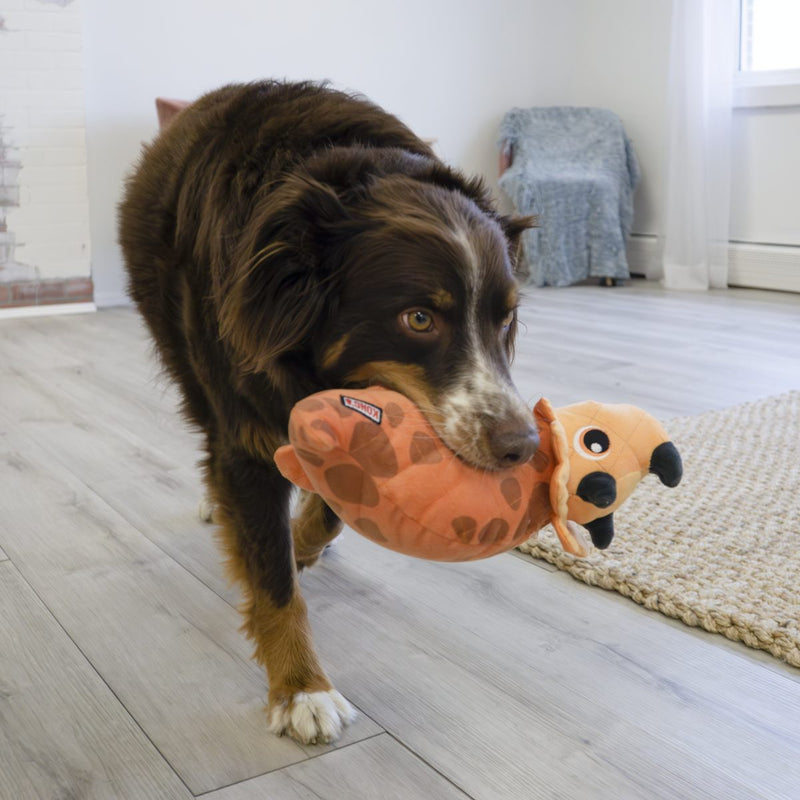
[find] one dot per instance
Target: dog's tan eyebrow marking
(334, 352)
(512, 299)
(442, 300)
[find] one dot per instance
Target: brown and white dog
(285, 238)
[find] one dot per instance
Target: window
(770, 35)
(769, 53)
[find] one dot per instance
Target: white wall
(448, 68)
(621, 59)
(765, 191)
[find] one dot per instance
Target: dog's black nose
(512, 445)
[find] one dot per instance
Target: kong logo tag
(371, 412)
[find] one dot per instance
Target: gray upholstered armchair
(575, 169)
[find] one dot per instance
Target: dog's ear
(283, 277)
(513, 228)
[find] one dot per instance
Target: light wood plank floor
(123, 675)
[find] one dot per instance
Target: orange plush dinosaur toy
(377, 462)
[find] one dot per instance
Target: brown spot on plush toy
(375, 459)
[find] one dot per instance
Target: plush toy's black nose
(512, 445)
(598, 488)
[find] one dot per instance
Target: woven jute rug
(722, 550)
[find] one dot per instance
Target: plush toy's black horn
(602, 531)
(666, 463)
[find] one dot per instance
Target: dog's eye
(508, 319)
(418, 320)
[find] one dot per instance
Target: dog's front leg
(253, 502)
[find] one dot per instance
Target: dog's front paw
(306, 560)
(311, 717)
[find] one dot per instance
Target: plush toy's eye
(591, 442)
(418, 320)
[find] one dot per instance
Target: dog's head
(400, 274)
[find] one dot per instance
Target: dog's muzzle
(512, 445)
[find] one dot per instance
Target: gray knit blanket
(574, 168)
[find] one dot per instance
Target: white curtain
(702, 64)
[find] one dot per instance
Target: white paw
(312, 718)
(206, 509)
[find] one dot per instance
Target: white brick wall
(43, 128)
